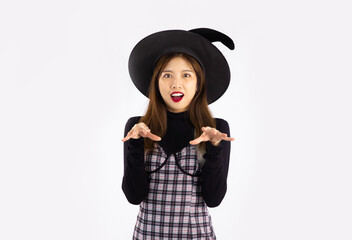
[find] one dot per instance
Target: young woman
(176, 156)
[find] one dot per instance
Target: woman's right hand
(141, 130)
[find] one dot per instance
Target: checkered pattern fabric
(174, 207)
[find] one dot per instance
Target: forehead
(179, 62)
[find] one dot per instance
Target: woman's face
(178, 84)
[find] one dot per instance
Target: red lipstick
(177, 96)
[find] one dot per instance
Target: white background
(65, 96)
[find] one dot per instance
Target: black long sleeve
(135, 179)
(215, 169)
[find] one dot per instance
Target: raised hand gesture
(213, 135)
(141, 130)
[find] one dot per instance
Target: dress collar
(180, 115)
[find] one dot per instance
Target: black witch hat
(196, 43)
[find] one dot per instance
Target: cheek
(162, 87)
(164, 91)
(192, 87)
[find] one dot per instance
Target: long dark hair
(156, 118)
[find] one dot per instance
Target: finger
(142, 133)
(195, 141)
(147, 134)
(225, 137)
(131, 134)
(146, 129)
(126, 138)
(198, 140)
(212, 132)
(217, 136)
(228, 139)
(144, 126)
(153, 136)
(206, 129)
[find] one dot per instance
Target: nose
(176, 83)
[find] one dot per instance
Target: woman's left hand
(211, 134)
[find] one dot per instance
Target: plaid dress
(174, 207)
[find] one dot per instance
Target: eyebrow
(182, 71)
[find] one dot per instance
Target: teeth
(177, 94)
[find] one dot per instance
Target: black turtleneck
(179, 132)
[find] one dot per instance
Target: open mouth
(177, 96)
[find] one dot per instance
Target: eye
(187, 75)
(167, 75)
